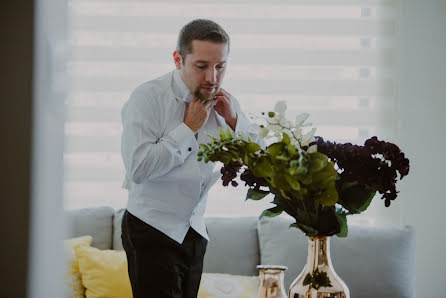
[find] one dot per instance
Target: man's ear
(177, 59)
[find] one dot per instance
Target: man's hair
(200, 29)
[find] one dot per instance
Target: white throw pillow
(215, 285)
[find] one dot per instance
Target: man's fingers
(221, 98)
(208, 104)
(219, 93)
(225, 92)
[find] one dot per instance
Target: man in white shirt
(163, 230)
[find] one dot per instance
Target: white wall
(422, 123)
(47, 222)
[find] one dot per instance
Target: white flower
(308, 137)
(312, 149)
(297, 132)
(280, 107)
(277, 125)
(263, 132)
(274, 127)
(294, 142)
(285, 123)
(287, 131)
(301, 118)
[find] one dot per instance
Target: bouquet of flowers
(317, 182)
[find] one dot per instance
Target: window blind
(334, 59)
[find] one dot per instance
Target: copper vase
(271, 279)
(318, 279)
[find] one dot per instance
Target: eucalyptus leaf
(263, 168)
(309, 231)
(204, 147)
(256, 194)
(328, 223)
(252, 147)
(272, 212)
(318, 161)
(291, 149)
(293, 182)
(329, 196)
(285, 138)
(222, 133)
(245, 159)
(354, 197)
(302, 170)
(225, 158)
(228, 133)
(275, 149)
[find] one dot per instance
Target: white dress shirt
(167, 185)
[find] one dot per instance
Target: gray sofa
(373, 262)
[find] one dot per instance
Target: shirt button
(189, 149)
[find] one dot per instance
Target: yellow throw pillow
(215, 285)
(72, 279)
(104, 272)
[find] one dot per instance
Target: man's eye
(202, 66)
(220, 66)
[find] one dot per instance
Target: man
(163, 230)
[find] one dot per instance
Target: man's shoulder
(153, 91)
(156, 86)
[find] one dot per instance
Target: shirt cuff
(185, 139)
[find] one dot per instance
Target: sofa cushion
(72, 277)
(233, 246)
(104, 272)
(97, 222)
(373, 262)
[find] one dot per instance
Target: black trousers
(158, 266)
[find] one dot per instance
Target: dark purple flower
(230, 172)
(376, 164)
(252, 180)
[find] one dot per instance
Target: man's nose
(211, 75)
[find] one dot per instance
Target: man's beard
(205, 96)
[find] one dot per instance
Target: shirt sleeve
(147, 154)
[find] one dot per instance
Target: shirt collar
(180, 89)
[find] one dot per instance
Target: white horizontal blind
(334, 59)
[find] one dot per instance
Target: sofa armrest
(96, 222)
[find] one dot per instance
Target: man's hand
(197, 114)
(225, 107)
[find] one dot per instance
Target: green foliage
(354, 197)
(256, 194)
(342, 220)
(262, 167)
(309, 231)
(305, 185)
(271, 212)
